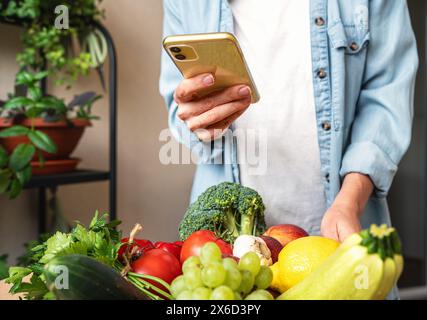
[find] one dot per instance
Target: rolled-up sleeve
(170, 77)
(381, 130)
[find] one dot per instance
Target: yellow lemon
(301, 257)
(276, 283)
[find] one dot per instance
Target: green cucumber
(78, 277)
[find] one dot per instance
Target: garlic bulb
(246, 243)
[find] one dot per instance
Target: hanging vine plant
(67, 52)
(36, 127)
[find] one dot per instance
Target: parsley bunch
(100, 240)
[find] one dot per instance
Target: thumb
(330, 231)
(347, 230)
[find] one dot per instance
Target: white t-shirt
(275, 39)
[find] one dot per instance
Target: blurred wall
(407, 195)
(149, 192)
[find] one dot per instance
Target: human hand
(210, 116)
(340, 221)
(342, 218)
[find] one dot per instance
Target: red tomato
(169, 247)
(158, 263)
(196, 240)
(143, 246)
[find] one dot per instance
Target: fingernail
(244, 91)
(208, 80)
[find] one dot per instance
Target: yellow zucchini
(365, 267)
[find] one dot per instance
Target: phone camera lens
(175, 49)
(180, 57)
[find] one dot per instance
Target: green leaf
(34, 290)
(16, 274)
(113, 223)
(35, 93)
(34, 112)
(4, 157)
(15, 189)
(88, 238)
(55, 244)
(3, 267)
(34, 250)
(42, 141)
(94, 220)
(52, 103)
(99, 223)
(14, 131)
(24, 77)
(4, 180)
(75, 248)
(10, 10)
(49, 296)
(37, 268)
(24, 176)
(40, 75)
(21, 156)
(17, 102)
(105, 251)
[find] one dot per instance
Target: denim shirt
(364, 62)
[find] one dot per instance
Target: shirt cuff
(367, 158)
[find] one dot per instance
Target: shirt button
(327, 178)
(326, 126)
(320, 22)
(321, 74)
(354, 46)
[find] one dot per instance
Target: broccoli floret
(228, 209)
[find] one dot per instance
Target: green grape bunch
(211, 277)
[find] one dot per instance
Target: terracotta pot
(65, 136)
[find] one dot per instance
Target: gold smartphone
(217, 53)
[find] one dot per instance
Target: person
(336, 80)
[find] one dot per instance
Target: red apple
(274, 245)
(285, 233)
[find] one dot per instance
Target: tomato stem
(141, 277)
(139, 281)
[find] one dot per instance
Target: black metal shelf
(43, 183)
(74, 177)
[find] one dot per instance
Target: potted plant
(39, 132)
(67, 52)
